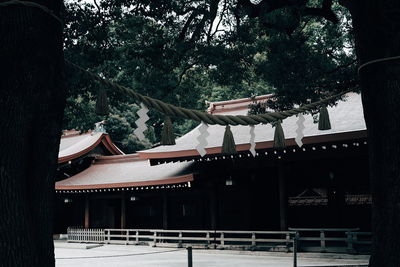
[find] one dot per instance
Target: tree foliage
(186, 52)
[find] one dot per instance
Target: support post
(323, 244)
(123, 211)
(87, 212)
(295, 239)
(282, 196)
(165, 211)
(213, 207)
(190, 256)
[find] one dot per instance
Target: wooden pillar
(213, 206)
(87, 211)
(282, 196)
(165, 211)
(123, 210)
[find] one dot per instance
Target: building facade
(324, 183)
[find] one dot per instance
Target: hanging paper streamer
(141, 122)
(202, 139)
(299, 130)
(252, 141)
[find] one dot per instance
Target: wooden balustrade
(309, 239)
(202, 238)
(333, 240)
(83, 235)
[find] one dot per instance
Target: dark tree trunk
(377, 32)
(32, 96)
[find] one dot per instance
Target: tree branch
(180, 78)
(192, 16)
(340, 67)
(325, 12)
(208, 16)
(266, 6)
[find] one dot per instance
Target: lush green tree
(175, 59)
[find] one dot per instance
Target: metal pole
(190, 258)
(295, 250)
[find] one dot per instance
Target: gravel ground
(121, 255)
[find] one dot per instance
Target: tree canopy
(187, 52)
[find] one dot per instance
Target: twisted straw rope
(174, 111)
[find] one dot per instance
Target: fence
(82, 235)
(201, 238)
(347, 240)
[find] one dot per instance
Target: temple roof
(347, 120)
(74, 145)
(127, 171)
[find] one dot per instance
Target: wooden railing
(347, 240)
(202, 238)
(83, 235)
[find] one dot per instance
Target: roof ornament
(99, 127)
(202, 139)
(141, 122)
(300, 130)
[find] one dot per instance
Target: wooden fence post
(323, 243)
(295, 238)
(190, 256)
(180, 239)
(253, 239)
(155, 238)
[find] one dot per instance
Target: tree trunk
(377, 32)
(31, 107)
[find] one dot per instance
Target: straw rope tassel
(324, 122)
(102, 107)
(228, 144)
(167, 134)
(279, 136)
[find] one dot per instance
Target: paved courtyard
(121, 255)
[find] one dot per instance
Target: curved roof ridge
(78, 145)
(234, 104)
(117, 158)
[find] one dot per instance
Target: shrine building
(324, 183)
